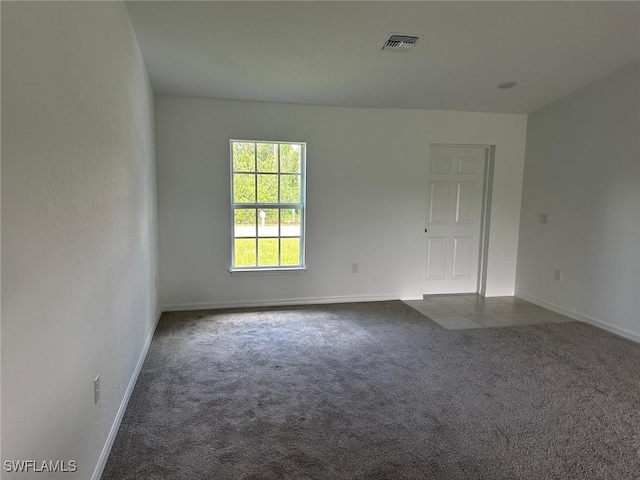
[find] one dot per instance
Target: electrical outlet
(354, 267)
(96, 389)
(557, 275)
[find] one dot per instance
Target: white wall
(583, 169)
(79, 234)
(366, 194)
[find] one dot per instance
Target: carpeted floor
(378, 391)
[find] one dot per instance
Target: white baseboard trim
(179, 307)
(623, 332)
(106, 450)
(499, 293)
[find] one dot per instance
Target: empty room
(320, 240)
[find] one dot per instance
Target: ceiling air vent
(400, 43)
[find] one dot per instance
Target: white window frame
(257, 206)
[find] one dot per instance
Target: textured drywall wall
(79, 228)
(366, 193)
(583, 170)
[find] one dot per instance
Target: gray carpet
(378, 391)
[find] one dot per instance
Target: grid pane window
(245, 250)
(267, 188)
(268, 206)
(244, 157)
(290, 188)
(244, 223)
(244, 190)
(268, 157)
(290, 248)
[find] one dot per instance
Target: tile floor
(473, 311)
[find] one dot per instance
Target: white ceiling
(329, 53)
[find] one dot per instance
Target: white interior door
(454, 218)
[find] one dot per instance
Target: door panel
(468, 165)
(441, 164)
(435, 258)
(464, 203)
(439, 203)
(461, 257)
(454, 203)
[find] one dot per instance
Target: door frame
(485, 215)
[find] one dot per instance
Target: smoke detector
(400, 43)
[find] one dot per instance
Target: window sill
(267, 271)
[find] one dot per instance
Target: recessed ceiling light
(507, 85)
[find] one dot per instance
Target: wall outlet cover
(96, 389)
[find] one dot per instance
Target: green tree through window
(268, 204)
